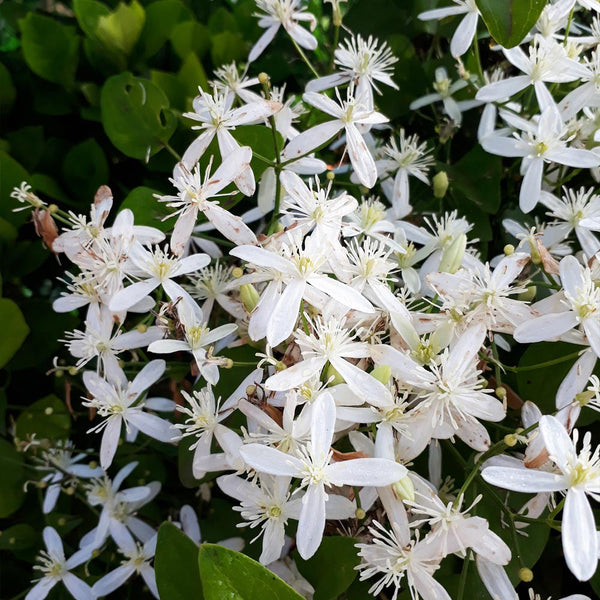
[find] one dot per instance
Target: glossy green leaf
(46, 418)
(161, 18)
(50, 49)
(88, 13)
(227, 47)
(260, 139)
(12, 478)
(85, 169)
(232, 575)
(176, 565)
(192, 75)
(331, 570)
(147, 209)
(136, 115)
(483, 190)
(190, 36)
(122, 28)
(14, 329)
(509, 21)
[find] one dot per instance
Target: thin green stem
(305, 58)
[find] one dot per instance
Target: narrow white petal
(523, 480)
(377, 472)
(311, 139)
(579, 538)
(558, 442)
(322, 424)
(312, 521)
(531, 185)
(272, 461)
(110, 441)
(464, 34)
(545, 327)
(360, 156)
(296, 374)
(78, 589)
(152, 426)
(132, 294)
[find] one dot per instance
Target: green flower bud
(249, 296)
(382, 373)
(404, 489)
(453, 255)
(440, 184)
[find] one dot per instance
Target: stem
(171, 151)
(305, 58)
(463, 576)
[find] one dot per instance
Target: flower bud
(142, 328)
(525, 574)
(237, 272)
(509, 249)
(330, 175)
(263, 78)
(529, 294)
(250, 390)
(249, 296)
(333, 376)
(73, 371)
(453, 255)
(510, 439)
(382, 373)
(360, 514)
(440, 184)
(48, 411)
(404, 489)
(500, 391)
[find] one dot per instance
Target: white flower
(578, 475)
(581, 307)
(197, 337)
(411, 158)
(138, 559)
(313, 467)
(194, 196)
(392, 561)
(217, 118)
(451, 397)
(159, 269)
(117, 402)
(302, 272)
(580, 210)
(56, 568)
(363, 63)
(267, 505)
(467, 28)
(330, 342)
(547, 62)
(348, 115)
(119, 507)
(60, 462)
(444, 89)
(286, 13)
(541, 141)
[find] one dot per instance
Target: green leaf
(509, 21)
(483, 190)
(161, 18)
(147, 209)
(122, 28)
(136, 115)
(192, 75)
(331, 569)
(18, 537)
(12, 478)
(85, 169)
(49, 48)
(47, 418)
(227, 47)
(260, 139)
(190, 37)
(7, 90)
(12, 175)
(88, 13)
(176, 565)
(14, 329)
(232, 575)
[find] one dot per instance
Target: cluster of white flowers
(376, 328)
